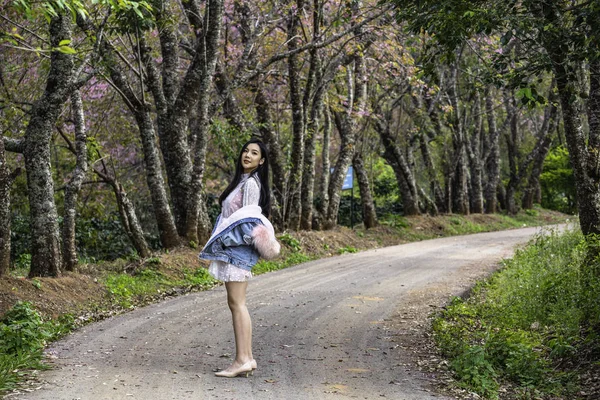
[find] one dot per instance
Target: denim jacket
(234, 239)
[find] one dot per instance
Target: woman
(242, 232)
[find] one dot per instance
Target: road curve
(319, 332)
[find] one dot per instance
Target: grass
(523, 325)
(128, 290)
(23, 335)
(457, 224)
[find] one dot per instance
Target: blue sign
(347, 180)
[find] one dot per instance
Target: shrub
(23, 335)
(522, 322)
(23, 330)
(290, 241)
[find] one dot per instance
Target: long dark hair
(261, 172)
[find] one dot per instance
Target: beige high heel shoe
(245, 370)
(253, 364)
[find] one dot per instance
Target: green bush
(127, 289)
(23, 335)
(558, 183)
(394, 220)
(475, 371)
(348, 249)
(267, 266)
(523, 322)
(350, 210)
(20, 245)
(22, 330)
(124, 287)
(290, 241)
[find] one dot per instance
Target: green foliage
(348, 249)
(131, 16)
(102, 238)
(520, 324)
(127, 290)
(21, 265)
(105, 239)
(198, 277)
(384, 184)
(385, 190)
(290, 241)
(264, 266)
(558, 182)
(20, 242)
(23, 330)
(153, 261)
(97, 239)
(394, 220)
(532, 212)
(459, 225)
(124, 287)
(14, 367)
(476, 372)
(23, 334)
(50, 9)
(350, 210)
(228, 140)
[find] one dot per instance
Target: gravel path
(326, 329)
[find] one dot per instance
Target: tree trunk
(276, 157)
(427, 104)
(593, 109)
(294, 206)
(167, 230)
(74, 185)
(315, 80)
(204, 224)
(512, 144)
(475, 160)
(531, 192)
(404, 176)
(434, 186)
(491, 156)
(172, 112)
(127, 214)
(366, 197)
(209, 54)
(130, 221)
(231, 108)
(308, 173)
(6, 179)
(169, 236)
(46, 257)
(582, 160)
(323, 194)
(197, 226)
(341, 167)
(179, 97)
(459, 172)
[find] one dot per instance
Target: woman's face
(251, 158)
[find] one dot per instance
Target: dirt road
(343, 327)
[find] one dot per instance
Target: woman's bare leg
(242, 325)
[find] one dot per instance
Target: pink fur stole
(267, 246)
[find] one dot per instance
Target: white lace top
(247, 192)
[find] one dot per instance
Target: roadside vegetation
(531, 330)
(38, 317)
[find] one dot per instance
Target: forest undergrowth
(530, 331)
(38, 311)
